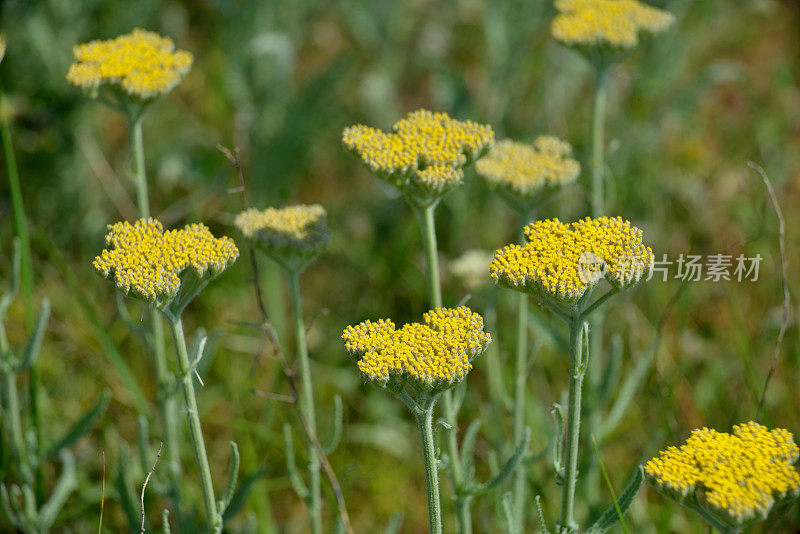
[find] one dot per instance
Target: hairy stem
(167, 401)
(577, 370)
(20, 224)
(306, 402)
(598, 209)
(448, 406)
(429, 237)
(195, 430)
(424, 416)
(598, 126)
(139, 176)
(520, 381)
(11, 413)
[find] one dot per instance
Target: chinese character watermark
(716, 267)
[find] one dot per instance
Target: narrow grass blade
(239, 498)
(394, 524)
(614, 514)
(35, 341)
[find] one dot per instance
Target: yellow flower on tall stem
(166, 270)
(560, 265)
(129, 73)
(293, 237)
(418, 363)
(423, 157)
(525, 176)
(730, 480)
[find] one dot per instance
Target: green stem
(448, 406)
(26, 275)
(577, 370)
(520, 382)
(429, 237)
(167, 401)
(11, 401)
(598, 124)
(711, 519)
(200, 456)
(424, 416)
(18, 213)
(139, 176)
(306, 402)
(168, 405)
(598, 209)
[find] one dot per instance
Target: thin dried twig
(784, 277)
(266, 326)
(147, 479)
(102, 494)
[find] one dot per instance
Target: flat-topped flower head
(148, 263)
(740, 474)
(562, 262)
(424, 154)
(612, 23)
(430, 356)
(142, 64)
(520, 172)
(293, 235)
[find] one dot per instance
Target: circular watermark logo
(591, 268)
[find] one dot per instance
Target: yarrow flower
(519, 172)
(142, 64)
(425, 153)
(562, 262)
(614, 23)
(741, 474)
(293, 235)
(148, 263)
(431, 356)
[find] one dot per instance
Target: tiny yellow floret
(562, 261)
(606, 22)
(146, 262)
(142, 63)
(425, 150)
(293, 232)
(522, 170)
(433, 355)
(741, 474)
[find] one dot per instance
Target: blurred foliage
(280, 80)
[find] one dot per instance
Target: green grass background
(280, 80)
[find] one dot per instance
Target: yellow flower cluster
(606, 22)
(424, 149)
(431, 355)
(143, 64)
(147, 262)
(291, 232)
(562, 261)
(741, 474)
(523, 170)
(2, 48)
